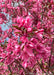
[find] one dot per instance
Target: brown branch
(50, 56)
(9, 69)
(25, 70)
(41, 66)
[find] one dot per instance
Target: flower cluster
(27, 47)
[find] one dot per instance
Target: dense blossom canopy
(27, 47)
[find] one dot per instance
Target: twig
(9, 69)
(50, 55)
(41, 67)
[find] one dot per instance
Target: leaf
(45, 64)
(1, 45)
(10, 74)
(52, 13)
(17, 27)
(22, 47)
(52, 36)
(1, 64)
(20, 42)
(33, 2)
(17, 32)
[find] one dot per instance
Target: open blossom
(29, 29)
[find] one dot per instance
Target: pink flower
(29, 29)
(28, 50)
(24, 64)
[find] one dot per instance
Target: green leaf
(1, 45)
(17, 32)
(45, 64)
(52, 13)
(1, 64)
(10, 74)
(20, 42)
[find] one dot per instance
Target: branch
(51, 55)
(21, 65)
(9, 69)
(41, 67)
